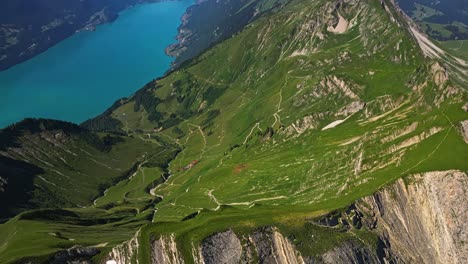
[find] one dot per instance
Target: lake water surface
(83, 75)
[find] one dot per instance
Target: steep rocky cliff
(164, 250)
(420, 219)
(424, 218)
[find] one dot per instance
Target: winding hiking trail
(257, 125)
(171, 176)
(278, 106)
(214, 199)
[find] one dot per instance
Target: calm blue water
(83, 75)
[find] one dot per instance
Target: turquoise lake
(85, 74)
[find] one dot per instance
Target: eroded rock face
(165, 251)
(75, 255)
(126, 252)
(222, 247)
(272, 247)
(464, 130)
(440, 74)
(348, 252)
(419, 220)
(424, 221)
(350, 109)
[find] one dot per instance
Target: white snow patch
(333, 124)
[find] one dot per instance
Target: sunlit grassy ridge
(297, 115)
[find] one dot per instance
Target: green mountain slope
(46, 163)
(304, 111)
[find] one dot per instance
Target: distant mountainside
(210, 22)
(442, 20)
(318, 132)
(29, 27)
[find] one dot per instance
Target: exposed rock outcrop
(348, 252)
(75, 255)
(417, 220)
(126, 252)
(302, 125)
(165, 251)
(440, 74)
(222, 247)
(424, 220)
(350, 109)
(464, 130)
(272, 247)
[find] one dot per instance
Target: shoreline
(152, 26)
(105, 17)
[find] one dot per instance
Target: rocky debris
(75, 255)
(440, 74)
(424, 220)
(302, 125)
(335, 84)
(330, 86)
(346, 111)
(448, 93)
(382, 106)
(348, 252)
(222, 247)
(351, 218)
(464, 130)
(341, 27)
(350, 109)
(165, 251)
(417, 220)
(427, 46)
(268, 134)
(465, 107)
(272, 247)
